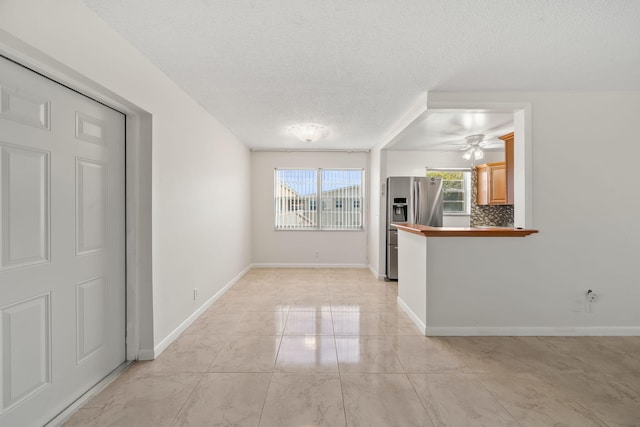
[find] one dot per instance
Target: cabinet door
(498, 185)
(483, 185)
(508, 154)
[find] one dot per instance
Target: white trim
(146, 354)
(403, 305)
(406, 122)
(71, 409)
(551, 331)
(25, 55)
(306, 265)
(162, 345)
(139, 233)
(375, 273)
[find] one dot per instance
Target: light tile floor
(307, 347)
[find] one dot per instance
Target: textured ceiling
(359, 65)
(445, 131)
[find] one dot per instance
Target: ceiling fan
(480, 141)
(474, 145)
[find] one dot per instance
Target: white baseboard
(421, 326)
(146, 354)
(189, 320)
(523, 331)
(306, 265)
(519, 331)
(374, 272)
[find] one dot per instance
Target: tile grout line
(424, 407)
(273, 368)
(479, 381)
(413, 387)
(335, 345)
(264, 402)
(175, 417)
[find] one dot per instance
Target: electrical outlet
(589, 297)
(195, 293)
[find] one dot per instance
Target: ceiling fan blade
(450, 145)
(493, 142)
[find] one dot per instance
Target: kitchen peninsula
(443, 273)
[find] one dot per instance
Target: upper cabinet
(492, 184)
(508, 156)
(495, 180)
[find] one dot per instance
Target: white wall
(198, 167)
(585, 151)
(313, 248)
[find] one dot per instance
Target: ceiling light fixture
(476, 152)
(309, 132)
(473, 148)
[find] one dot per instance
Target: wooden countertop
(428, 231)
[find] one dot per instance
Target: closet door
(62, 260)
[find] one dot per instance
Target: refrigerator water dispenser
(399, 209)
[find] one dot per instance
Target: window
(339, 191)
(456, 194)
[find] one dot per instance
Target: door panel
(91, 206)
(24, 176)
(92, 316)
(90, 129)
(62, 263)
(24, 107)
(26, 350)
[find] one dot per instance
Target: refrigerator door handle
(416, 202)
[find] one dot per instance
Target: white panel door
(62, 259)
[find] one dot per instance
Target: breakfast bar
(441, 281)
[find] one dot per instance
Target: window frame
(468, 193)
(320, 203)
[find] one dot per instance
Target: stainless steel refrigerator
(412, 200)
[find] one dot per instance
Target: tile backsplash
(491, 215)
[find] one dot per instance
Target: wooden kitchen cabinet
(483, 184)
(508, 156)
(495, 180)
(492, 184)
(498, 181)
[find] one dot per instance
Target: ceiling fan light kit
(474, 152)
(309, 132)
